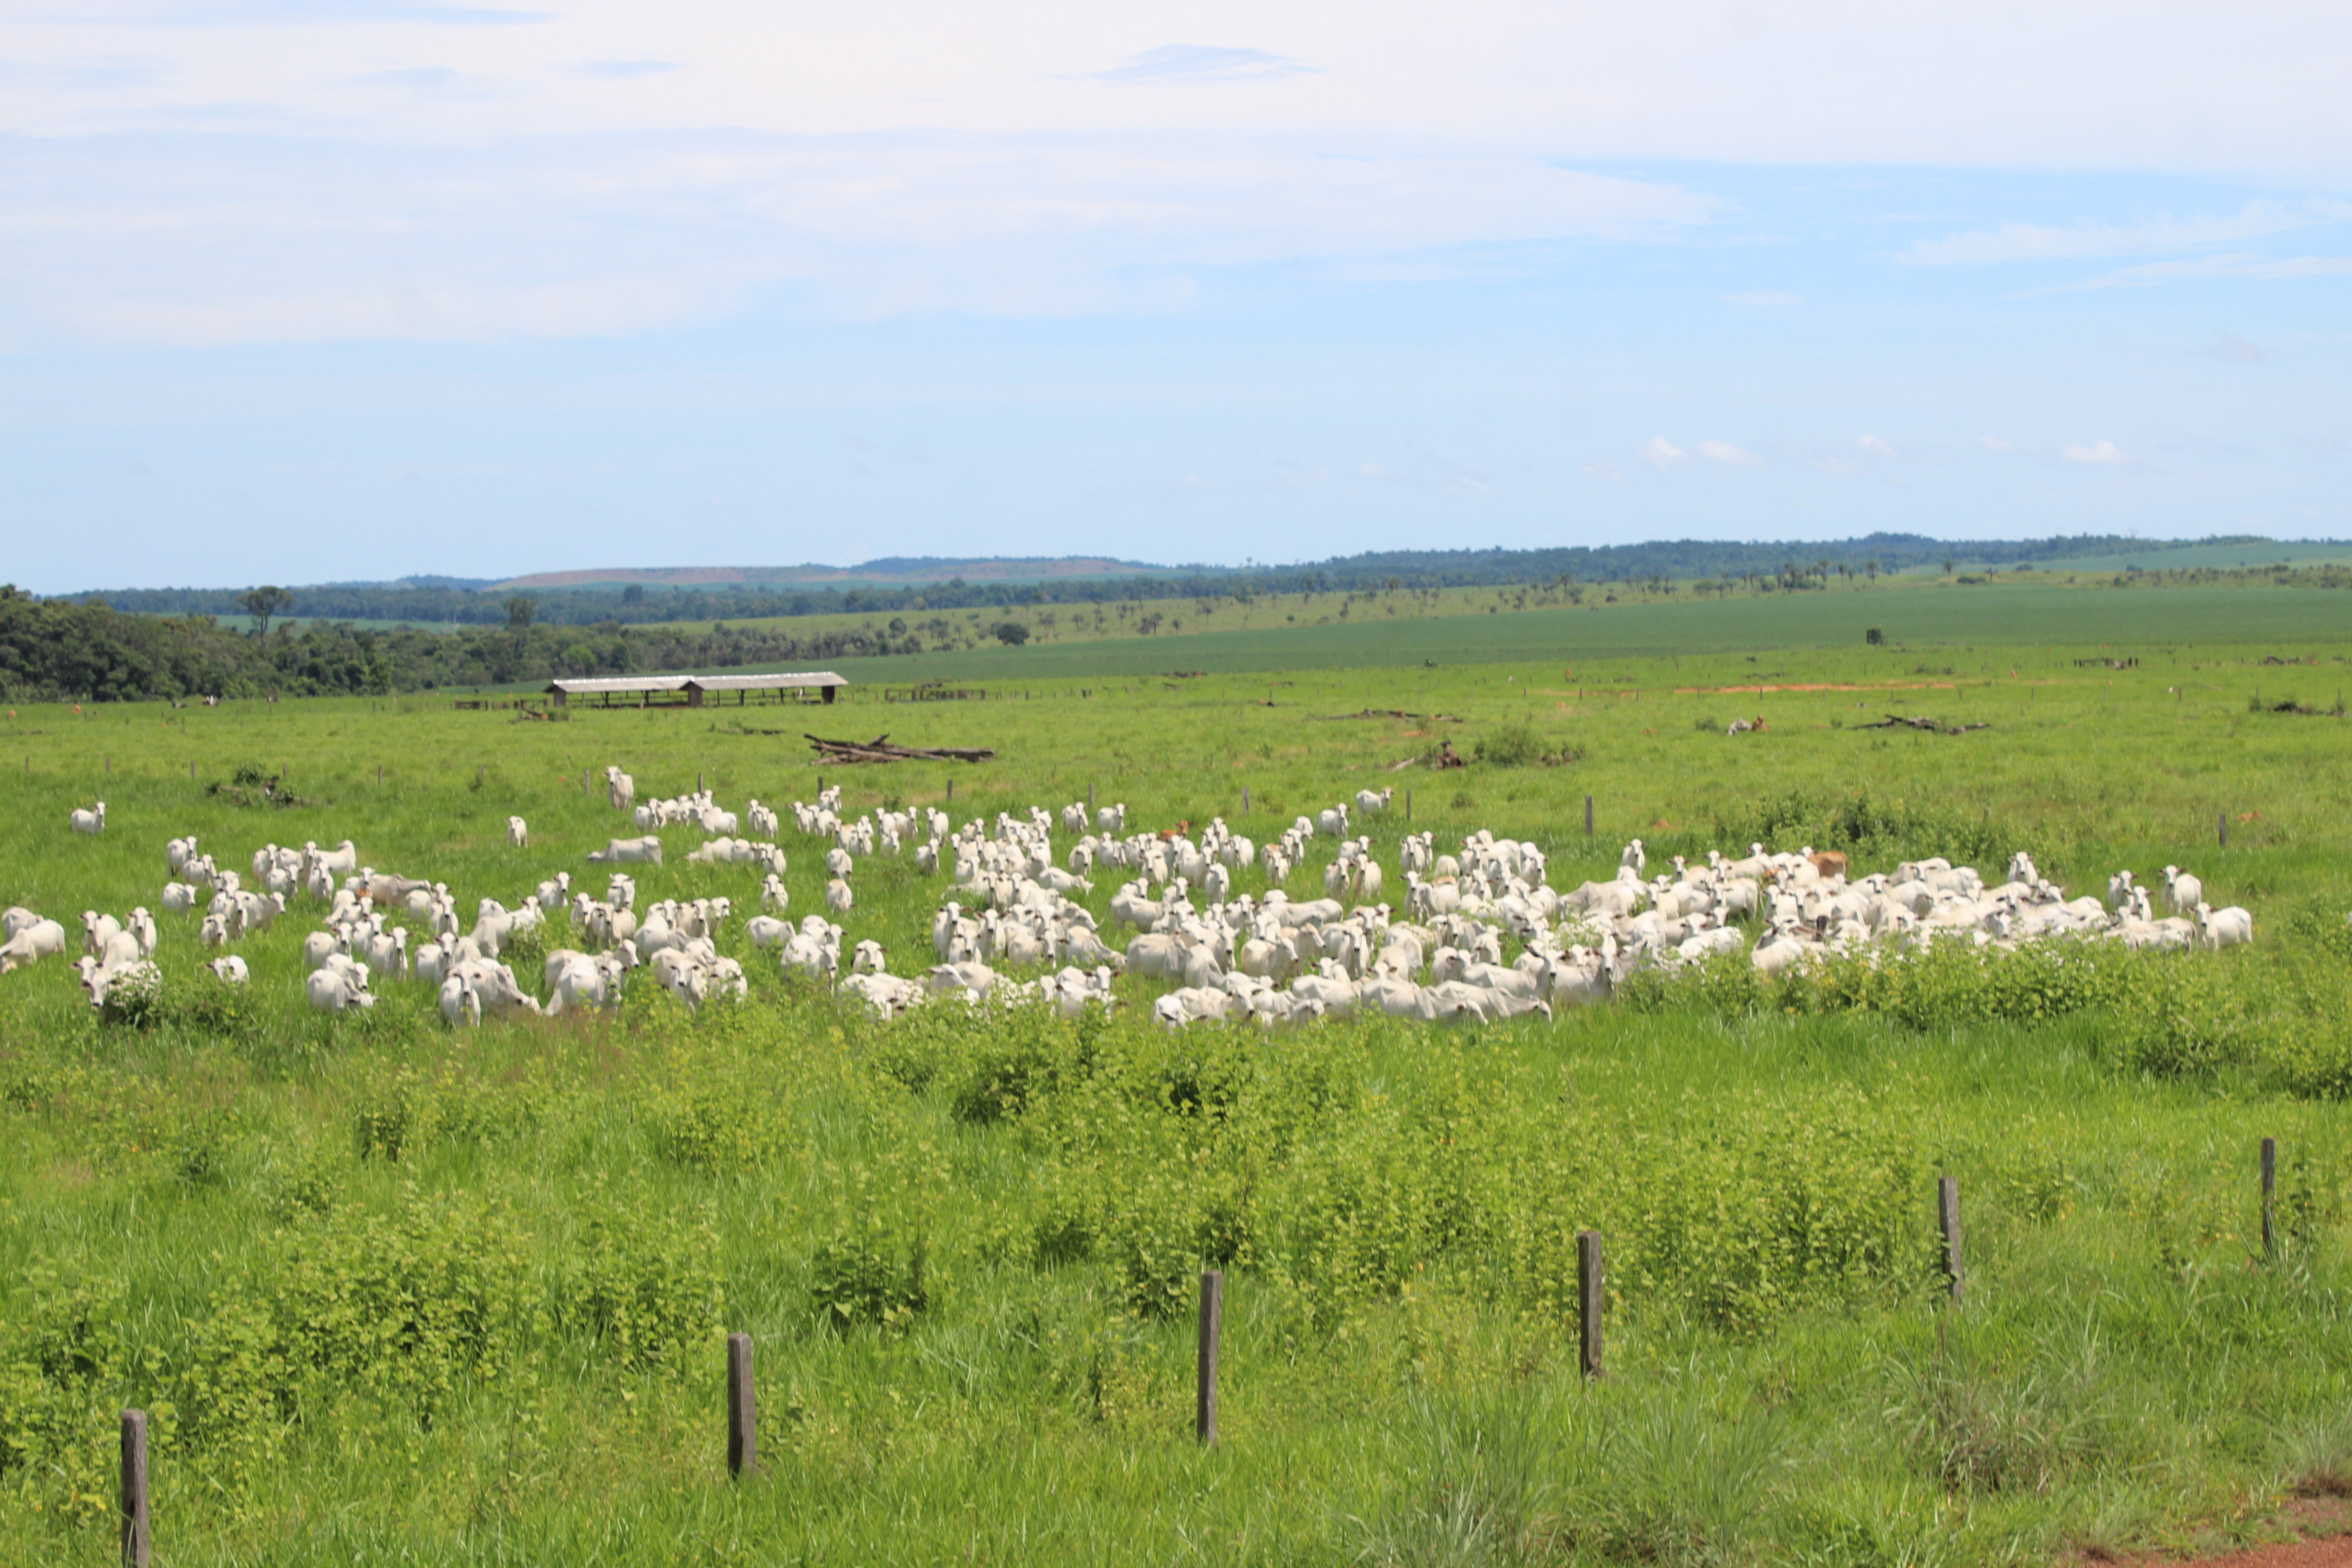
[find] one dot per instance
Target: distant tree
(1012, 634)
(262, 604)
(520, 608)
(635, 593)
(1948, 565)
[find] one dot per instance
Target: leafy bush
(647, 1288)
(868, 1273)
(1510, 746)
(401, 1305)
(62, 1367)
(1873, 828)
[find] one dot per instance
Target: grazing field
(400, 1292)
(1385, 631)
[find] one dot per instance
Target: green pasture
(1916, 616)
(403, 1294)
(2182, 557)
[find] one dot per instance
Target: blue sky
(306, 289)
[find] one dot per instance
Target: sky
(305, 290)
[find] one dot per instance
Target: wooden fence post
(698, 781)
(2270, 1197)
(1408, 806)
(1948, 1216)
(1213, 1317)
(1244, 800)
(952, 789)
(136, 1544)
(2225, 830)
(742, 1423)
(1587, 816)
(1090, 799)
(1591, 1293)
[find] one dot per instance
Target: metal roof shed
(702, 687)
(603, 689)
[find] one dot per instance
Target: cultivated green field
(1946, 616)
(398, 1293)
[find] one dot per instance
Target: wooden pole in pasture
(952, 789)
(1244, 800)
(1090, 798)
(192, 770)
(1587, 816)
(1212, 1319)
(698, 781)
(1590, 1294)
(136, 1544)
(1948, 1216)
(2224, 829)
(379, 776)
(742, 1423)
(1408, 806)
(2270, 1197)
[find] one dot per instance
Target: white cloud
(1194, 63)
(202, 238)
(1764, 297)
(2196, 85)
(2233, 263)
(1660, 453)
(1725, 452)
(1877, 446)
(625, 70)
(2032, 242)
(2097, 452)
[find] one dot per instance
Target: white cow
(647, 850)
(40, 939)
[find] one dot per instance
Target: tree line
(61, 650)
(463, 603)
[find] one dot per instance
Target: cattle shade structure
(695, 691)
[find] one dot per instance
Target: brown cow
(1828, 863)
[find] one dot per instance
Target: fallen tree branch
(1899, 721)
(879, 749)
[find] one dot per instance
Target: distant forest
(457, 602)
(62, 650)
(83, 649)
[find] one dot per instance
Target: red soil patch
(2324, 1522)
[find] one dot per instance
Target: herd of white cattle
(1268, 957)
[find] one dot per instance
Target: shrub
(648, 1290)
(1873, 828)
(61, 1371)
(1510, 746)
(401, 1305)
(867, 1272)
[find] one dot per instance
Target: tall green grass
(396, 1292)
